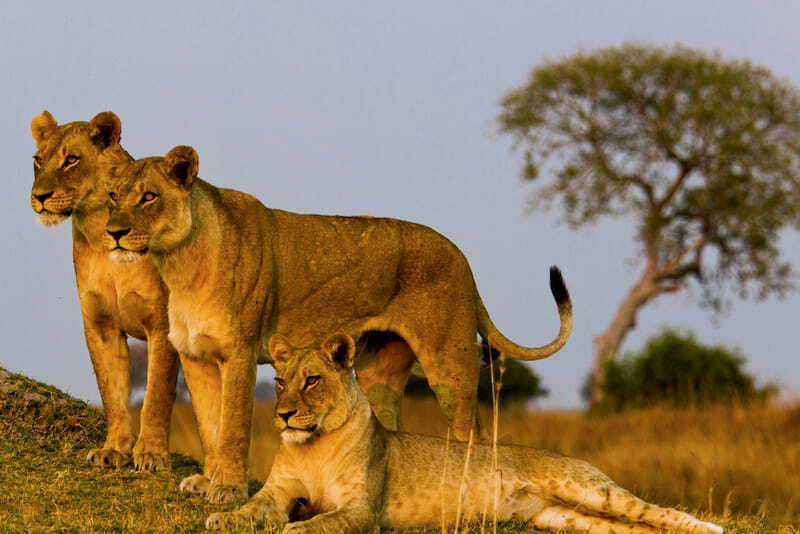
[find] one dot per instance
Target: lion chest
(134, 302)
(197, 330)
(327, 484)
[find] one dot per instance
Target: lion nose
(44, 196)
(118, 234)
(287, 415)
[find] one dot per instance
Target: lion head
(66, 162)
(315, 386)
(150, 203)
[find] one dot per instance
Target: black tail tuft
(557, 286)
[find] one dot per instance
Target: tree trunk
(606, 344)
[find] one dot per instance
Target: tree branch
(676, 185)
(673, 270)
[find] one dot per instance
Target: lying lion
(237, 272)
(116, 300)
(339, 462)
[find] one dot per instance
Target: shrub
(519, 384)
(677, 370)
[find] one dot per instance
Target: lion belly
(415, 458)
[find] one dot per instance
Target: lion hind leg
(558, 518)
(453, 377)
(383, 380)
(609, 499)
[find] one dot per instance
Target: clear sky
(347, 107)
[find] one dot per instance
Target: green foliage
(519, 384)
(677, 370)
(703, 152)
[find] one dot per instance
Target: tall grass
(732, 462)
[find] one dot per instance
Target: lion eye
(71, 160)
(37, 161)
(311, 381)
(278, 383)
(113, 196)
(149, 196)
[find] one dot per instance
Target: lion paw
(195, 484)
(110, 458)
(221, 520)
(149, 461)
(219, 494)
(296, 528)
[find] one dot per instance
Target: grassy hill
(46, 485)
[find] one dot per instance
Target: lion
(238, 271)
(354, 476)
(116, 300)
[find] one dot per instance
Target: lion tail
(501, 343)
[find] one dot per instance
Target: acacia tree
(701, 152)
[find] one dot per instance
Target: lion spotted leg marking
(559, 518)
(205, 386)
(110, 360)
(595, 492)
(383, 380)
(612, 499)
(151, 450)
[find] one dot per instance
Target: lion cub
(358, 477)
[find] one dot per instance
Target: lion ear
(181, 165)
(341, 349)
(279, 348)
(42, 125)
(105, 129)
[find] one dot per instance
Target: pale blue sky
(351, 107)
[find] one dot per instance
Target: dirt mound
(47, 416)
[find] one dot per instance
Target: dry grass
(737, 464)
(46, 485)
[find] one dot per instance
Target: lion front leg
(268, 509)
(256, 514)
(108, 350)
(341, 521)
(205, 386)
(229, 481)
(151, 450)
(356, 511)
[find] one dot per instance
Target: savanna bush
(519, 384)
(675, 369)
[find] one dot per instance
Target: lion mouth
(52, 218)
(120, 248)
(125, 255)
(44, 211)
(298, 435)
(309, 429)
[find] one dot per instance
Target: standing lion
(238, 271)
(117, 300)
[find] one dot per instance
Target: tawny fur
(237, 272)
(356, 476)
(116, 300)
